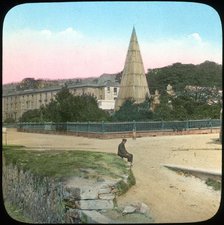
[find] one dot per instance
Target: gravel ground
(171, 197)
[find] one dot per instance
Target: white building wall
(106, 104)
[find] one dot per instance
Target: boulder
(129, 209)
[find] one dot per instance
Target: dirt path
(171, 197)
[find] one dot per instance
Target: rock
(89, 193)
(105, 190)
(95, 204)
(108, 196)
(136, 208)
(93, 216)
(144, 209)
(129, 209)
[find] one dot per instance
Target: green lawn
(63, 164)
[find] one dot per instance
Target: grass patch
(216, 185)
(124, 186)
(8, 147)
(64, 164)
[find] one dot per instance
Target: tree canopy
(67, 107)
(207, 74)
(130, 111)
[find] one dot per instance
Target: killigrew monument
(133, 82)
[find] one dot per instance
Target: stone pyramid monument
(133, 82)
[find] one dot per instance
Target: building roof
(105, 83)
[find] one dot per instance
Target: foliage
(197, 93)
(67, 107)
(207, 74)
(27, 83)
(9, 120)
(130, 111)
(123, 186)
(186, 106)
(33, 115)
(164, 110)
(216, 185)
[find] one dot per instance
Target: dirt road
(171, 197)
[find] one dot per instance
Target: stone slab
(95, 204)
(94, 217)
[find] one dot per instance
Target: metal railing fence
(116, 127)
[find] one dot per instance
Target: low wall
(47, 200)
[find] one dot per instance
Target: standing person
(123, 153)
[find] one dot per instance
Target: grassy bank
(64, 164)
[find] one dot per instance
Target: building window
(115, 90)
(108, 89)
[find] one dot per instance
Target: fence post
(76, 128)
(210, 123)
(162, 125)
(88, 129)
(67, 127)
(187, 125)
(134, 130)
(102, 127)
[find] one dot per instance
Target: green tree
(33, 115)
(66, 107)
(207, 74)
(9, 120)
(186, 106)
(130, 111)
(164, 111)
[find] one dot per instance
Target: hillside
(206, 74)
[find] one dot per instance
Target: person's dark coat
(123, 153)
(122, 150)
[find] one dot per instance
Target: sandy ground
(171, 197)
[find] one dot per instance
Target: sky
(87, 39)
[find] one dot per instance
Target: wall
(47, 200)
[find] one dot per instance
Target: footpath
(170, 197)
